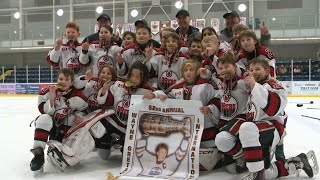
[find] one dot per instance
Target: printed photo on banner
(155, 27)
(174, 24)
(162, 139)
(200, 24)
(215, 24)
(164, 24)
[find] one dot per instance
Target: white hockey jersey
(267, 102)
(231, 100)
(67, 57)
(98, 56)
(64, 105)
(121, 98)
(262, 53)
(130, 54)
(90, 90)
(168, 71)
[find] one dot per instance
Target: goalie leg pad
(97, 130)
(208, 158)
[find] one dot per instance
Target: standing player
(67, 55)
(101, 52)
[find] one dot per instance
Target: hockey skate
(255, 175)
(56, 159)
(241, 165)
(36, 164)
(301, 161)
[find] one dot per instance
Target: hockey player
(128, 38)
(265, 129)
(167, 65)
(195, 88)
(79, 140)
(121, 92)
(229, 108)
(210, 32)
(67, 55)
(100, 52)
(141, 51)
(56, 105)
(251, 49)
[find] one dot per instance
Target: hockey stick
(310, 117)
(311, 102)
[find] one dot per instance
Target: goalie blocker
(78, 142)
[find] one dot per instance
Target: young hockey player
(56, 105)
(167, 64)
(100, 52)
(67, 55)
(128, 38)
(251, 49)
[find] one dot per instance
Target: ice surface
(16, 113)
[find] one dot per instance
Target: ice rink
(16, 113)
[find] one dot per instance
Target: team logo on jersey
(229, 106)
(122, 110)
(251, 111)
(60, 115)
(93, 103)
(167, 79)
(155, 171)
(73, 63)
(105, 60)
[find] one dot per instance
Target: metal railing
(287, 69)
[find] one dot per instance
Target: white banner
(155, 27)
(119, 29)
(200, 24)
(306, 87)
(131, 27)
(162, 139)
(215, 24)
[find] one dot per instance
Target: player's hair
(66, 72)
(132, 34)
(162, 146)
(239, 28)
(166, 29)
(210, 39)
(111, 69)
(209, 29)
(109, 28)
(227, 59)
(249, 33)
(174, 36)
(73, 25)
(142, 26)
(190, 62)
(143, 71)
(261, 62)
(195, 40)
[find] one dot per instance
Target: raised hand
(249, 80)
(58, 43)
(148, 53)
(89, 74)
(105, 87)
(205, 110)
(149, 96)
(263, 29)
(85, 46)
